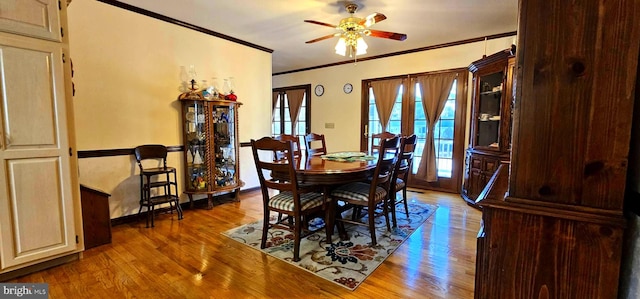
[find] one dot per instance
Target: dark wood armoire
(553, 220)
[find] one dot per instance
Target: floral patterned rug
(347, 263)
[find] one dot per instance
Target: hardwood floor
(191, 259)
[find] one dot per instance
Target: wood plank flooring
(191, 259)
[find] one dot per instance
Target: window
(281, 122)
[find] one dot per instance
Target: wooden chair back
(156, 152)
(315, 144)
(297, 152)
(405, 157)
(377, 138)
(401, 175)
(388, 152)
(283, 149)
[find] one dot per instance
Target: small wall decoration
(319, 90)
(347, 88)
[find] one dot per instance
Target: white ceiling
(279, 24)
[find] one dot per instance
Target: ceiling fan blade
(320, 23)
(322, 38)
(387, 34)
(372, 19)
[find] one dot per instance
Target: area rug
(347, 263)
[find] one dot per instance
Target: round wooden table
(317, 171)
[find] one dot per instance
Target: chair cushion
(284, 201)
(358, 191)
(400, 184)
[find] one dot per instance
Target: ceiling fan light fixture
(351, 31)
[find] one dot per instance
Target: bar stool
(161, 179)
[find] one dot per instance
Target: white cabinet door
(36, 196)
(35, 18)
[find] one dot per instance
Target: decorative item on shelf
(229, 92)
(231, 97)
(192, 93)
(214, 88)
(204, 89)
(197, 158)
(193, 76)
(486, 86)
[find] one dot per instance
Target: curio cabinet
(210, 128)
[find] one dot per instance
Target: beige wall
(344, 109)
(126, 79)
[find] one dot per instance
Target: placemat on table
(348, 157)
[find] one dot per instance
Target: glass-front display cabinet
(490, 136)
(211, 149)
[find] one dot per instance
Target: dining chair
(157, 176)
(297, 152)
(377, 138)
(315, 144)
(401, 175)
(369, 195)
(296, 201)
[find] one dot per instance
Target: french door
(409, 117)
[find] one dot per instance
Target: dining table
(325, 170)
(332, 170)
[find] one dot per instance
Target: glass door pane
(443, 134)
(488, 122)
(395, 120)
(224, 146)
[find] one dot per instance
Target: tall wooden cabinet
(211, 146)
(490, 137)
(40, 215)
(557, 231)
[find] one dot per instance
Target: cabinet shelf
(494, 93)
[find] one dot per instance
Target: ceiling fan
(351, 30)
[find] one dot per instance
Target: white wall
(344, 109)
(126, 78)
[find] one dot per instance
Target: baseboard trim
(39, 266)
(197, 203)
